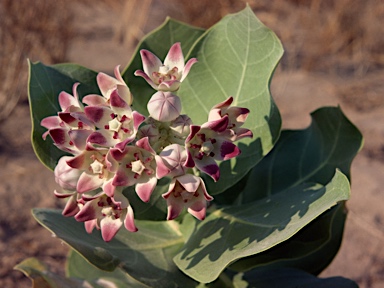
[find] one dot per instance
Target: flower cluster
(113, 146)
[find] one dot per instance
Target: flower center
(206, 147)
(163, 69)
(138, 167)
(115, 125)
(109, 209)
(97, 167)
(165, 74)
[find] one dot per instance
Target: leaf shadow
(231, 233)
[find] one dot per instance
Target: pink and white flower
(137, 167)
(165, 76)
(205, 144)
(117, 124)
(70, 128)
(107, 85)
(236, 118)
(170, 161)
(187, 191)
(98, 169)
(107, 214)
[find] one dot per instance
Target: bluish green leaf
(237, 57)
(232, 233)
(158, 42)
(311, 249)
(145, 255)
(42, 277)
(79, 268)
(45, 84)
(312, 154)
(331, 142)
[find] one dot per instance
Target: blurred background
(334, 55)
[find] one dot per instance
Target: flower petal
(219, 125)
(187, 68)
(89, 225)
(227, 150)
(150, 62)
(146, 78)
(145, 188)
(100, 115)
(171, 85)
(102, 138)
(118, 104)
(198, 209)
(51, 122)
(88, 212)
(208, 166)
(79, 138)
(189, 182)
(105, 83)
(108, 188)
(175, 205)
(71, 208)
(88, 182)
(175, 57)
(66, 100)
(129, 221)
(109, 227)
(94, 100)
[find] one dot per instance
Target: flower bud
(66, 176)
(164, 106)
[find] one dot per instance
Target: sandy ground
(25, 183)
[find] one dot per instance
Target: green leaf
(231, 233)
(145, 255)
(309, 155)
(288, 278)
(45, 84)
(312, 154)
(158, 42)
(42, 277)
(80, 268)
(311, 249)
(237, 57)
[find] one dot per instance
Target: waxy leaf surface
(309, 155)
(145, 255)
(229, 234)
(311, 249)
(237, 57)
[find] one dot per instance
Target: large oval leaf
(145, 255)
(229, 234)
(311, 249)
(237, 58)
(312, 154)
